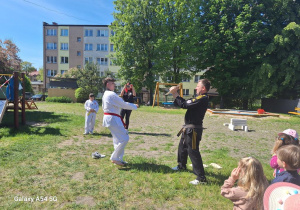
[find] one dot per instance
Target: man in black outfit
(191, 132)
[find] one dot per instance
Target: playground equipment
(11, 95)
(156, 94)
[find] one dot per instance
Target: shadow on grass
(151, 167)
(149, 134)
(218, 179)
(38, 118)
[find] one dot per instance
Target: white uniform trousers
(89, 122)
(120, 140)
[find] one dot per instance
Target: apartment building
(69, 46)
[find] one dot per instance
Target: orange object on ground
(260, 111)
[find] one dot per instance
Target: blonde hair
(283, 139)
(253, 180)
(290, 154)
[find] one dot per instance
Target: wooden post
(23, 99)
(157, 96)
(16, 99)
(157, 84)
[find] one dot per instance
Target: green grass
(54, 160)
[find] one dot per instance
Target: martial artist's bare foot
(116, 162)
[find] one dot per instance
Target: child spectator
(286, 137)
(251, 185)
(91, 106)
(289, 159)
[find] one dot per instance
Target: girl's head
(252, 179)
(286, 137)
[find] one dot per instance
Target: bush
(61, 99)
(81, 95)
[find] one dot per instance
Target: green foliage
(280, 71)
(61, 99)
(27, 67)
(40, 76)
(28, 87)
(81, 95)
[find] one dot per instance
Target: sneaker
(124, 162)
(85, 133)
(118, 163)
(178, 168)
(97, 155)
(196, 181)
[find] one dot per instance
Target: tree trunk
(245, 104)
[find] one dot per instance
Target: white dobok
(112, 103)
(90, 117)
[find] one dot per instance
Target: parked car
(28, 95)
(39, 97)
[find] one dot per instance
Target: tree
(232, 43)
(40, 76)
(9, 60)
(135, 39)
(27, 67)
(88, 79)
(176, 40)
(279, 75)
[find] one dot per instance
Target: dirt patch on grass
(36, 124)
(86, 200)
(79, 176)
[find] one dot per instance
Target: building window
(88, 32)
(186, 92)
(51, 46)
(64, 32)
(111, 47)
(78, 53)
(112, 33)
(88, 47)
(101, 74)
(197, 78)
(78, 66)
(51, 73)
(63, 71)
(51, 32)
(64, 60)
(51, 59)
(102, 61)
(185, 79)
(102, 32)
(88, 60)
(78, 39)
(64, 46)
(101, 47)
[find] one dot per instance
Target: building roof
(34, 73)
(56, 24)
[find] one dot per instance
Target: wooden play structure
(296, 112)
(12, 96)
(156, 94)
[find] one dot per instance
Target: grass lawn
(49, 160)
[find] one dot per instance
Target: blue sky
(22, 21)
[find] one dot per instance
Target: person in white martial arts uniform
(112, 105)
(91, 106)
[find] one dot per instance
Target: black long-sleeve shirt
(196, 108)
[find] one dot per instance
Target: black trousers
(186, 149)
(127, 113)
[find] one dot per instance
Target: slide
(3, 104)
